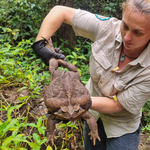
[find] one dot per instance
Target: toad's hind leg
(67, 65)
(53, 65)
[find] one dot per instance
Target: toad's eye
(77, 110)
(64, 112)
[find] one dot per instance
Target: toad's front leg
(92, 125)
(50, 130)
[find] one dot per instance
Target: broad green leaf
(69, 135)
(13, 32)
(36, 137)
(23, 98)
(74, 62)
(82, 57)
(3, 125)
(73, 125)
(4, 81)
(74, 54)
(39, 122)
(5, 148)
(62, 125)
(43, 141)
(32, 125)
(12, 138)
(49, 148)
(11, 124)
(69, 56)
(8, 30)
(32, 145)
(14, 133)
(37, 147)
(68, 123)
(22, 88)
(16, 30)
(63, 143)
(11, 109)
(77, 49)
(2, 77)
(42, 130)
(30, 77)
(8, 62)
(4, 50)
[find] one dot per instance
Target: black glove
(45, 53)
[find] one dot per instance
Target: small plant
(75, 59)
(146, 112)
(146, 116)
(12, 135)
(19, 66)
(68, 134)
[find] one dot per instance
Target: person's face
(135, 29)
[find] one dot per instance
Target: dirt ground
(144, 143)
(10, 95)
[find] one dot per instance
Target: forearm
(54, 20)
(105, 105)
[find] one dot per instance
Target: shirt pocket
(99, 62)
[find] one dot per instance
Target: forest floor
(144, 143)
(10, 95)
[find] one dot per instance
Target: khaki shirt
(131, 84)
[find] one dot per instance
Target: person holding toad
(119, 68)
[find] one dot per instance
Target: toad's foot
(50, 137)
(94, 136)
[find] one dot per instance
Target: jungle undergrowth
(21, 68)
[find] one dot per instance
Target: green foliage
(12, 135)
(67, 125)
(79, 56)
(68, 133)
(24, 16)
(147, 130)
(18, 65)
(146, 111)
(146, 117)
(111, 8)
(20, 21)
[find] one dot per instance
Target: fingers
(57, 50)
(59, 56)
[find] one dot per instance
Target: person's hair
(141, 6)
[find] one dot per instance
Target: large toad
(66, 98)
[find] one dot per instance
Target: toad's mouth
(70, 112)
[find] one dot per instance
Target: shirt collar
(119, 40)
(143, 59)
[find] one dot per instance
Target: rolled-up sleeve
(86, 24)
(134, 97)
